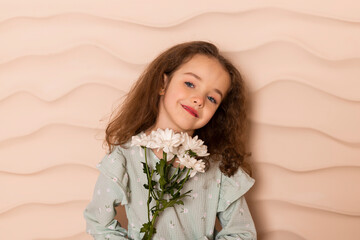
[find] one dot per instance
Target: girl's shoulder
(240, 176)
(113, 163)
(119, 151)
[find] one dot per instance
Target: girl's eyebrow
(199, 78)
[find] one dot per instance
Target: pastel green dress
(213, 194)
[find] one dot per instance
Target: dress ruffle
(113, 166)
(232, 188)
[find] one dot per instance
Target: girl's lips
(190, 110)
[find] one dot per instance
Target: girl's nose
(198, 101)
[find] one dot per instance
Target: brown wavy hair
(224, 134)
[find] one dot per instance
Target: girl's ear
(165, 80)
(162, 90)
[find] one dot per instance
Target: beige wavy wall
(65, 64)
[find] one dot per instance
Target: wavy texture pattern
(280, 235)
(302, 222)
(331, 189)
(142, 12)
(31, 151)
(284, 61)
(43, 221)
(293, 109)
(65, 67)
(80, 236)
(308, 157)
(87, 64)
(63, 184)
(69, 109)
(63, 29)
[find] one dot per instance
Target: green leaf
(146, 186)
(153, 183)
(144, 167)
(157, 167)
(162, 182)
(162, 165)
(176, 195)
(183, 181)
(191, 153)
(186, 194)
(145, 227)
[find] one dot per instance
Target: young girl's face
(192, 95)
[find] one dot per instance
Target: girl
(188, 88)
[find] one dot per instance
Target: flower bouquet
(179, 147)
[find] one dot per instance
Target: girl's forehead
(206, 69)
(200, 59)
(203, 64)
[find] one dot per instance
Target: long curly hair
(224, 134)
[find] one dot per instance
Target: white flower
(199, 166)
(194, 144)
(187, 161)
(166, 140)
(140, 140)
(190, 162)
(144, 140)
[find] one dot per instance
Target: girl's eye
(189, 84)
(212, 100)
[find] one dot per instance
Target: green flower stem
(180, 174)
(172, 176)
(171, 162)
(157, 212)
(168, 185)
(187, 176)
(153, 194)
(149, 183)
(165, 159)
(165, 156)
